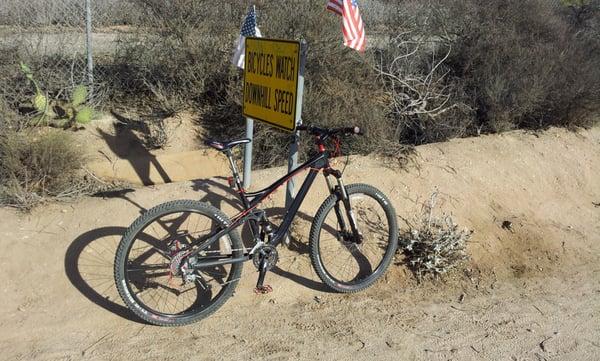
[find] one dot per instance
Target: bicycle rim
(347, 263)
(153, 278)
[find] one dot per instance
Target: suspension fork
(340, 191)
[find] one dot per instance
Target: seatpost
(234, 170)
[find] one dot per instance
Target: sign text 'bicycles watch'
(271, 75)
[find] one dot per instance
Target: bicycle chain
(233, 250)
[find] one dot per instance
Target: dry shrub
(8, 118)
(439, 69)
(458, 68)
(13, 87)
(175, 58)
(434, 245)
(523, 63)
(469, 67)
(37, 165)
(582, 13)
(178, 49)
(428, 104)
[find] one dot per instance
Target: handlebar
(325, 132)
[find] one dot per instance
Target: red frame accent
(240, 215)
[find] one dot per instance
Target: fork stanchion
(292, 164)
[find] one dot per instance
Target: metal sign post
(248, 153)
(293, 158)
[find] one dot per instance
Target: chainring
(268, 253)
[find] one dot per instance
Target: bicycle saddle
(223, 146)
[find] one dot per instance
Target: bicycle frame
(251, 200)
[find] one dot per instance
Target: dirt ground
(528, 293)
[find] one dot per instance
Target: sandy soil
(530, 293)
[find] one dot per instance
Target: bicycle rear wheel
(153, 275)
(341, 263)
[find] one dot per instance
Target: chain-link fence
(60, 41)
(67, 44)
(167, 46)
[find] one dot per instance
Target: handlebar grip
(324, 131)
(352, 130)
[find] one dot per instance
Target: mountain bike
(181, 260)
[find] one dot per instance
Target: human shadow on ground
(125, 144)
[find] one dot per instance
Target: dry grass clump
(434, 245)
(35, 166)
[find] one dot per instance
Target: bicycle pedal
(263, 290)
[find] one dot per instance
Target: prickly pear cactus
(40, 102)
(59, 113)
(27, 71)
(79, 96)
(84, 115)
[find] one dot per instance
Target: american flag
(249, 28)
(353, 27)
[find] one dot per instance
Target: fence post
(88, 47)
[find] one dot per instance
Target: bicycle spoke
(345, 259)
(151, 278)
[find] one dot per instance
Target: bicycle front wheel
(153, 274)
(342, 263)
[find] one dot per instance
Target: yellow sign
(271, 69)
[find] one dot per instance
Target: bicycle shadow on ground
(275, 214)
(89, 259)
(89, 267)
